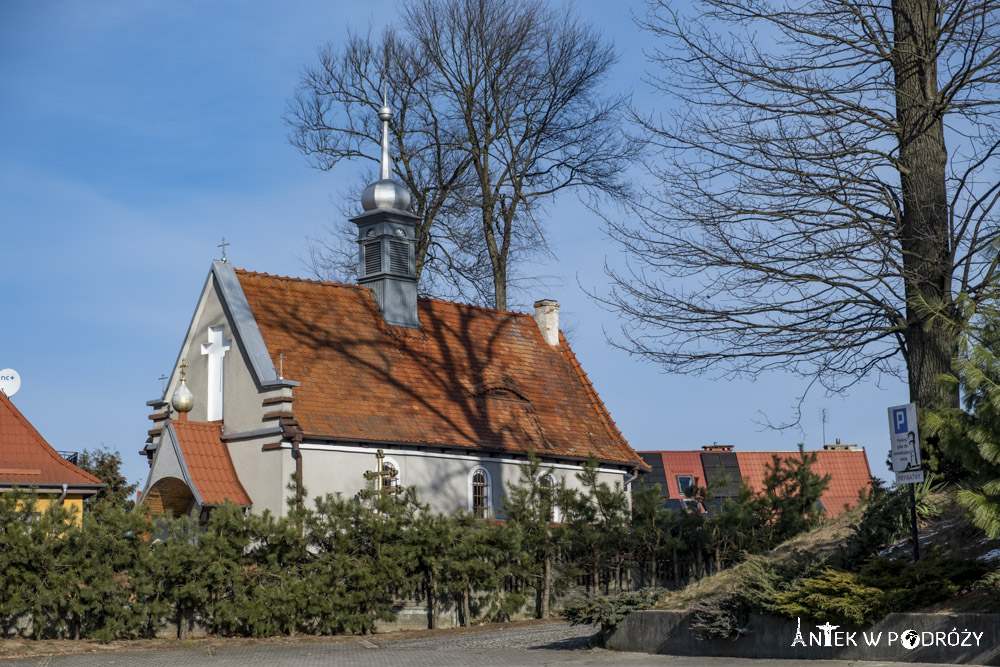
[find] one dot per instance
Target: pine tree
(529, 506)
(793, 491)
(652, 525)
(972, 438)
(105, 465)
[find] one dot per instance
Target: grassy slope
(949, 532)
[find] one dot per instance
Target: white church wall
(441, 479)
(264, 474)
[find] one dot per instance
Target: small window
(684, 482)
(547, 487)
(479, 492)
(390, 464)
(691, 505)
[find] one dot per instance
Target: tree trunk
(927, 257)
(432, 602)
(677, 569)
(546, 586)
(466, 606)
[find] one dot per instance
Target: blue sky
(135, 134)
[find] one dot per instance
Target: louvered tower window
(399, 257)
(373, 257)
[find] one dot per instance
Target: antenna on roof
(162, 378)
(823, 418)
(10, 382)
(223, 246)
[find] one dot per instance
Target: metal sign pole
(905, 452)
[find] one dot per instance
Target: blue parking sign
(899, 420)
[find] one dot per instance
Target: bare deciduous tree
(333, 117)
(809, 216)
(500, 108)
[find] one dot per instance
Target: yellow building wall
(72, 502)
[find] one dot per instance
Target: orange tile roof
(849, 471)
(681, 463)
(364, 380)
(208, 464)
(27, 459)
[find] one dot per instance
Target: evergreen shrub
(608, 611)
(720, 616)
(881, 587)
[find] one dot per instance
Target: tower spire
(385, 115)
(387, 239)
(385, 193)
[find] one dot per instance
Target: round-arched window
(389, 463)
(480, 490)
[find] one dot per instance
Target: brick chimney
(547, 319)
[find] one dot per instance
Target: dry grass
(821, 540)
(950, 533)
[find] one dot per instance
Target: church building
(281, 376)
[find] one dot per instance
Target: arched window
(390, 463)
(547, 488)
(480, 492)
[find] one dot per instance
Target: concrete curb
(938, 638)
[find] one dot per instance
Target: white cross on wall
(216, 349)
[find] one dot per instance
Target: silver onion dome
(183, 399)
(385, 193)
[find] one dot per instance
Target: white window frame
(691, 505)
(556, 513)
(489, 489)
(680, 491)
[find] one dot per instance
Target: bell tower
(387, 239)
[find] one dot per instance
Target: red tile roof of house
(208, 463)
(848, 470)
(681, 463)
(469, 377)
(27, 459)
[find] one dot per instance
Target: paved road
(552, 644)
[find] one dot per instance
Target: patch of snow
(890, 549)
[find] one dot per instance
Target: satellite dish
(10, 381)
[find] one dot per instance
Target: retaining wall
(669, 633)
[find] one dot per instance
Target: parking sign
(905, 444)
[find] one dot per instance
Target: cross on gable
(215, 349)
(217, 344)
